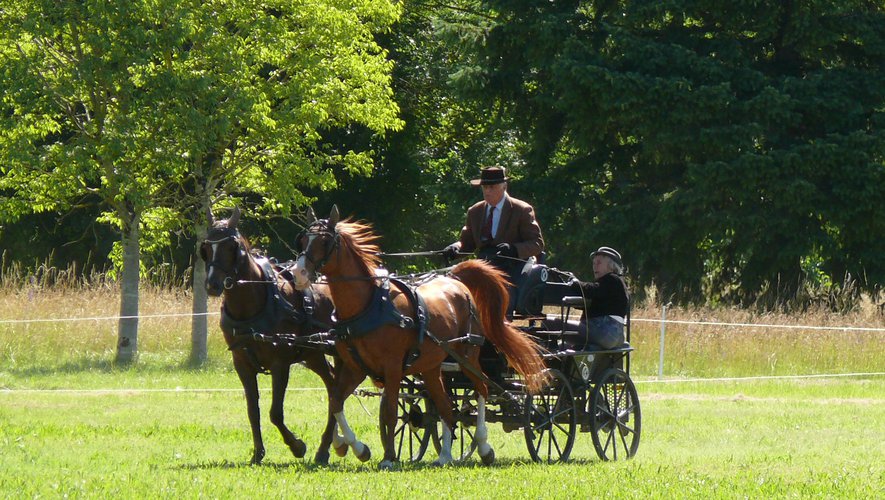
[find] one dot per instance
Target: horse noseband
(229, 280)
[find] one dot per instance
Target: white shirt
(496, 218)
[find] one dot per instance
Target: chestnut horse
(471, 301)
(252, 315)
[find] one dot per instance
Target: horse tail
(488, 286)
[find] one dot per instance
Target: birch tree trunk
(199, 320)
(127, 342)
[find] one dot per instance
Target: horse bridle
(318, 228)
(230, 278)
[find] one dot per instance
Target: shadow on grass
(351, 467)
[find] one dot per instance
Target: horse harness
(276, 309)
(382, 311)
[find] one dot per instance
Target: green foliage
(701, 138)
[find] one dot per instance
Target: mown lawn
(169, 437)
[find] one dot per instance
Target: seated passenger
(607, 301)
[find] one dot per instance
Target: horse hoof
(386, 465)
(489, 458)
(341, 450)
(257, 457)
(321, 458)
(299, 449)
(365, 455)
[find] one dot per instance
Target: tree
(257, 99)
(157, 108)
(728, 149)
(72, 123)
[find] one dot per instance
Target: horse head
(223, 251)
(315, 245)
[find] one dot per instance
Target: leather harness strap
(382, 311)
(276, 309)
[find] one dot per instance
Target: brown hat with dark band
(491, 175)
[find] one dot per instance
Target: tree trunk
(200, 321)
(127, 343)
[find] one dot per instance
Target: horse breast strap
(381, 311)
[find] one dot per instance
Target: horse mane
(360, 238)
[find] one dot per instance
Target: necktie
(487, 228)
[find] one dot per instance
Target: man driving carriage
(500, 229)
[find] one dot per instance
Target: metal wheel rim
(551, 421)
(616, 416)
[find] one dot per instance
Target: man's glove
(506, 250)
(451, 251)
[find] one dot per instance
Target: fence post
(663, 332)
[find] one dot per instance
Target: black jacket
(606, 296)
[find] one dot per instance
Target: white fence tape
(641, 320)
(107, 318)
(100, 392)
(762, 325)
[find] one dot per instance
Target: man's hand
(451, 251)
(506, 250)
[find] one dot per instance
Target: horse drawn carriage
(465, 367)
(589, 388)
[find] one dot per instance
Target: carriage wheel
(617, 419)
(551, 418)
(415, 423)
(463, 444)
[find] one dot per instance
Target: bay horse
(258, 305)
(472, 301)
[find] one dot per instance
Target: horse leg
(437, 392)
(486, 453)
(388, 420)
(280, 380)
(320, 366)
(345, 384)
(249, 379)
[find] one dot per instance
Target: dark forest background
(733, 151)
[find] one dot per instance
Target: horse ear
(311, 216)
(334, 216)
(234, 218)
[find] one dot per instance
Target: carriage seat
(537, 288)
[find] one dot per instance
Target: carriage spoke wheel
(415, 423)
(616, 416)
(551, 420)
(463, 443)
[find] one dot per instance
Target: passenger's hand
(506, 250)
(451, 251)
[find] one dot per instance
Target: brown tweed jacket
(517, 227)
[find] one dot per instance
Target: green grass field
(74, 425)
(782, 438)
